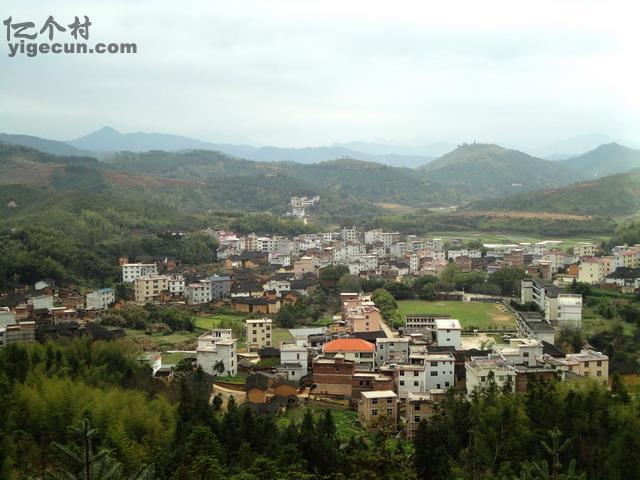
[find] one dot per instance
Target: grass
(281, 335)
(346, 421)
(480, 315)
(163, 342)
(239, 379)
(594, 323)
(172, 358)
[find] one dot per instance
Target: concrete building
(448, 333)
(533, 325)
(589, 363)
(220, 286)
(304, 265)
(215, 347)
(332, 376)
(585, 249)
(176, 284)
(378, 408)
(131, 271)
(392, 350)
(259, 333)
(591, 270)
(439, 370)
(294, 360)
(360, 352)
(147, 288)
(100, 299)
(411, 379)
(479, 371)
(519, 351)
(563, 309)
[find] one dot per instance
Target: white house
(448, 333)
(480, 370)
(217, 346)
(439, 370)
(294, 360)
(131, 271)
(100, 299)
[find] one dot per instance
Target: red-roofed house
(359, 351)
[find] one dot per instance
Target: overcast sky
(316, 72)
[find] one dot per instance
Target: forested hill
(609, 196)
(486, 170)
(605, 160)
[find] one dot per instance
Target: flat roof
(447, 324)
(379, 394)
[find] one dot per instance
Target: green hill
(605, 160)
(613, 195)
(486, 170)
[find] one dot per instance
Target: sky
(297, 73)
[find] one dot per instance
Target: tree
(219, 367)
(428, 292)
(349, 284)
(508, 279)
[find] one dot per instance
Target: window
(389, 411)
(374, 413)
(415, 374)
(434, 364)
(434, 374)
(446, 384)
(417, 407)
(482, 379)
(416, 419)
(402, 383)
(525, 354)
(402, 373)
(599, 373)
(415, 384)
(599, 364)
(374, 401)
(389, 400)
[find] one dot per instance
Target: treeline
(150, 318)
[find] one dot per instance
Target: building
(421, 406)
(585, 249)
(198, 293)
(448, 333)
(131, 271)
(259, 333)
(12, 331)
(270, 391)
(563, 309)
(378, 409)
(332, 376)
(519, 351)
(147, 288)
(439, 370)
(294, 360)
(392, 350)
(360, 352)
(100, 299)
(303, 266)
(480, 370)
(220, 286)
(411, 379)
(589, 363)
(176, 284)
(533, 325)
(591, 270)
(424, 323)
(217, 349)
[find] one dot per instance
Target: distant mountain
(571, 147)
(489, 170)
(48, 146)
(605, 160)
(432, 149)
(609, 196)
(108, 139)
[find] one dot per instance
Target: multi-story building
(585, 249)
(392, 350)
(422, 322)
(411, 379)
(563, 309)
(589, 363)
(100, 299)
(148, 287)
(480, 370)
(360, 352)
(176, 284)
(220, 286)
(23, 331)
(304, 265)
(533, 325)
(216, 352)
(259, 333)
(332, 376)
(448, 333)
(422, 406)
(591, 270)
(520, 351)
(378, 409)
(439, 370)
(294, 360)
(131, 271)
(198, 292)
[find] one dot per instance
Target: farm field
(480, 315)
(490, 237)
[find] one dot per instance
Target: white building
(392, 350)
(294, 360)
(448, 333)
(520, 351)
(131, 271)
(411, 379)
(197, 293)
(479, 371)
(100, 299)
(217, 346)
(176, 284)
(439, 370)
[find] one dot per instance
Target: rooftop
(348, 345)
(379, 394)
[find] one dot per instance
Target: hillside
(486, 170)
(52, 147)
(610, 196)
(605, 160)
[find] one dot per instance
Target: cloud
(300, 73)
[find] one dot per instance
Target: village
(393, 374)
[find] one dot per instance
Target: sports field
(485, 316)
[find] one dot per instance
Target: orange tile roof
(349, 345)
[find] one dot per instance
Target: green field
(480, 315)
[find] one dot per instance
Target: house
(332, 376)
(422, 323)
(259, 333)
(265, 306)
(519, 351)
(131, 271)
(303, 266)
(369, 381)
(360, 352)
(45, 283)
(421, 406)
(100, 299)
(294, 360)
(625, 278)
(410, 379)
(585, 249)
(481, 370)
(217, 349)
(589, 363)
(270, 392)
(392, 350)
(23, 331)
(153, 360)
(198, 292)
(448, 333)
(147, 288)
(378, 409)
(591, 270)
(177, 284)
(533, 325)
(563, 309)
